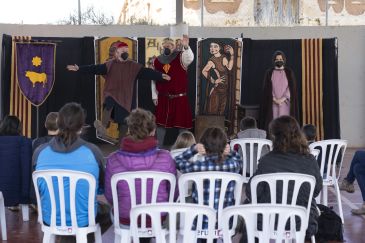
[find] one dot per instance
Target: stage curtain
(68, 87)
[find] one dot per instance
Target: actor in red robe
(170, 98)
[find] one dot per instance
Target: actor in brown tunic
(119, 92)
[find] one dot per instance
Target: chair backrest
(274, 222)
(143, 180)
(330, 151)
(252, 149)
(283, 181)
(212, 177)
(315, 153)
(59, 176)
(188, 211)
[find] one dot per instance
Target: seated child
(217, 157)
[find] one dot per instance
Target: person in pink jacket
(138, 151)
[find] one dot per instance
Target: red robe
(173, 109)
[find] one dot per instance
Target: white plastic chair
(270, 230)
(286, 179)
(252, 149)
(198, 178)
(188, 211)
(330, 150)
(315, 152)
(2, 217)
(53, 229)
(122, 232)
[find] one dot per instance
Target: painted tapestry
(219, 79)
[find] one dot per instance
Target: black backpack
(330, 226)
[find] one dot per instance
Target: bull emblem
(35, 77)
(35, 70)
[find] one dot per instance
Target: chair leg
(3, 221)
(125, 238)
(325, 195)
(49, 238)
(81, 238)
(338, 195)
(98, 235)
(25, 212)
(313, 239)
(117, 238)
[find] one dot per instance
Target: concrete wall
(351, 44)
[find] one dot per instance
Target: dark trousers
(357, 171)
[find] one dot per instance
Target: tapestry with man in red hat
(119, 92)
(172, 105)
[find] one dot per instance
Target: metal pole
(79, 10)
(326, 12)
(202, 13)
(37, 131)
(179, 11)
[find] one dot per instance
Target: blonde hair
(184, 140)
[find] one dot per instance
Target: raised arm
(150, 74)
(98, 69)
(187, 55)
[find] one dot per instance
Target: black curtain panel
(68, 86)
(331, 109)
(5, 74)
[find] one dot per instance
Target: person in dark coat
(290, 154)
(279, 96)
(15, 163)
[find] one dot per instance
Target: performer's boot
(102, 125)
(106, 116)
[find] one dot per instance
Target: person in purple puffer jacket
(138, 152)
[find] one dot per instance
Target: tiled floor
(21, 232)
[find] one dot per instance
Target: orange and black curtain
(315, 65)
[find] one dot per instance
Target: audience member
(138, 152)
(16, 161)
(248, 129)
(52, 130)
(356, 172)
(184, 140)
(67, 151)
(217, 157)
(290, 154)
(310, 133)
